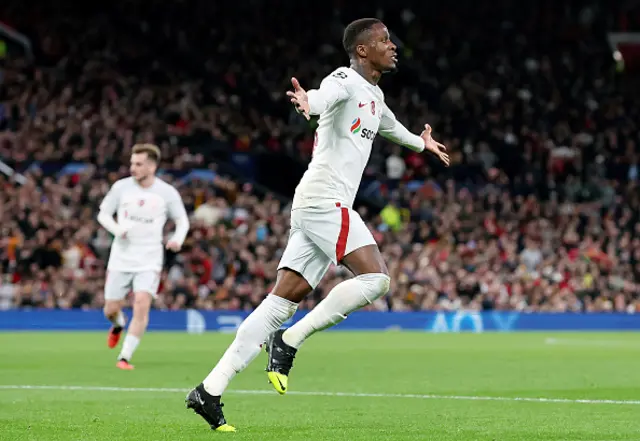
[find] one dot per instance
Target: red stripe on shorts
(341, 245)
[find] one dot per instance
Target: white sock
(119, 320)
(252, 333)
(342, 300)
(128, 347)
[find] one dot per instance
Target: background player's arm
(393, 130)
(108, 208)
(178, 213)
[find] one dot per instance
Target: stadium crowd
(539, 211)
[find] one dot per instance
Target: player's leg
(116, 288)
(145, 287)
(301, 268)
(255, 329)
(355, 248)
(371, 282)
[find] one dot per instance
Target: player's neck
(147, 182)
(367, 72)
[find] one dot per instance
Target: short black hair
(353, 31)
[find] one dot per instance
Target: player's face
(382, 51)
(141, 166)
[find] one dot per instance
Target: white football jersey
(143, 213)
(352, 112)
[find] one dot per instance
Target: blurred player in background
(324, 227)
(142, 203)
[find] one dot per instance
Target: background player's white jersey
(143, 212)
(352, 112)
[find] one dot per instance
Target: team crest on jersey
(141, 203)
(356, 125)
(373, 108)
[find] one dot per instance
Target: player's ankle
(207, 395)
(292, 339)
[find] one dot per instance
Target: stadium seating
(538, 212)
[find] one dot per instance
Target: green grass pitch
(347, 386)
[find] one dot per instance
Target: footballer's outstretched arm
(316, 101)
(108, 208)
(330, 92)
(393, 130)
(178, 213)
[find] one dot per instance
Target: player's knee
(291, 285)
(374, 285)
(110, 310)
(141, 304)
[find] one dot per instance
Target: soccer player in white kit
(142, 203)
(325, 229)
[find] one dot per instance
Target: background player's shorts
(119, 284)
(320, 236)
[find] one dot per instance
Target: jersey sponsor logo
(141, 219)
(368, 134)
(356, 125)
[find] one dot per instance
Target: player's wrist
(419, 145)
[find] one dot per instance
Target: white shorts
(321, 236)
(120, 283)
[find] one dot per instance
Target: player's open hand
(173, 246)
(433, 146)
(299, 98)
